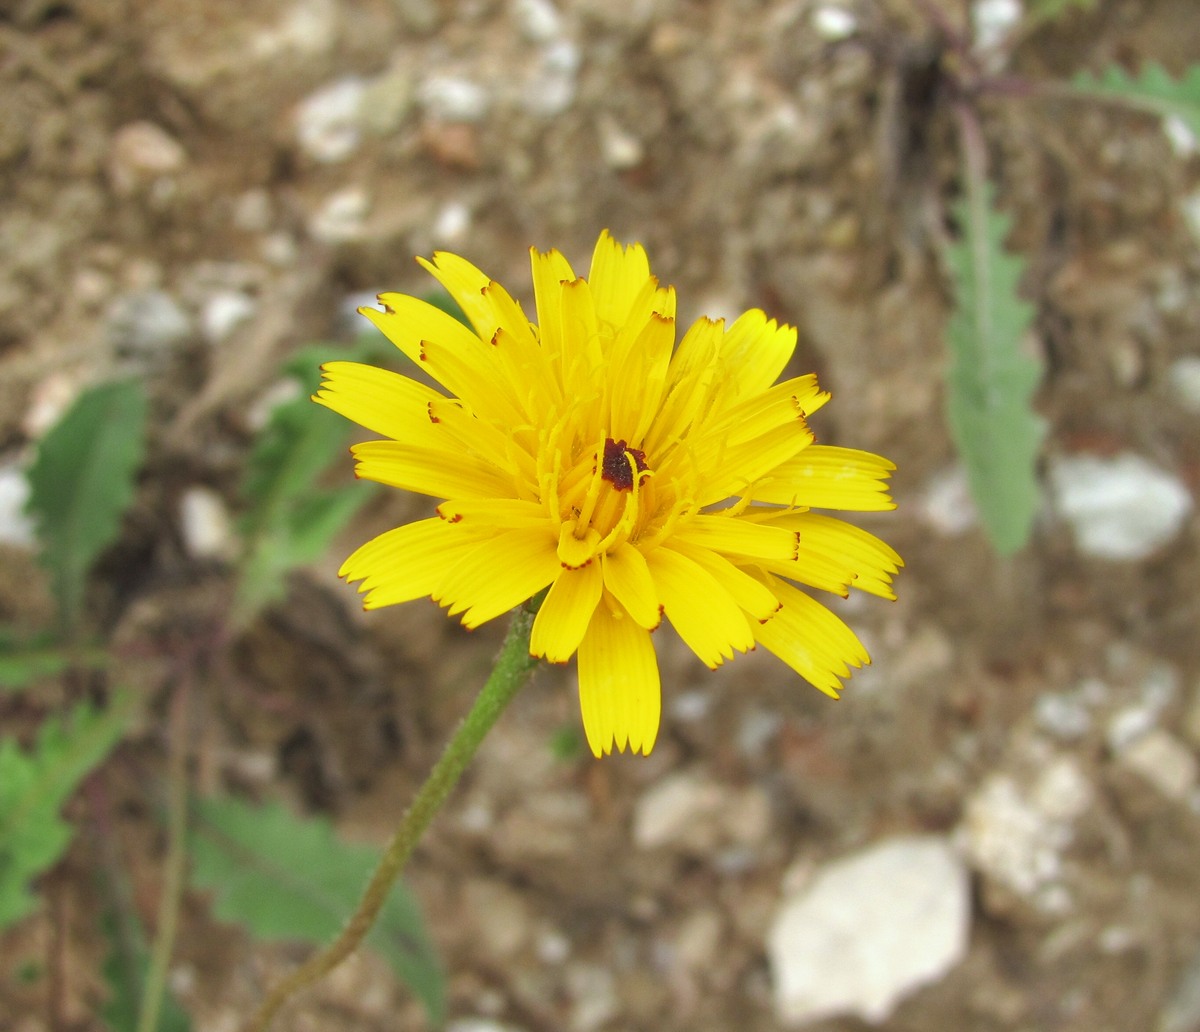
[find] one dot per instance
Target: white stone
(342, 217)
(1184, 378)
(678, 807)
(1119, 508)
(1191, 213)
(551, 89)
(620, 148)
(946, 502)
(480, 1025)
(1129, 724)
(453, 99)
(994, 20)
(1010, 840)
(1063, 715)
(328, 126)
(204, 524)
(538, 20)
(147, 323)
(834, 22)
(224, 312)
(1062, 791)
(16, 528)
(1179, 133)
(451, 224)
(1165, 762)
(594, 997)
(870, 930)
(142, 152)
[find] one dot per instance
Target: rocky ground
(191, 189)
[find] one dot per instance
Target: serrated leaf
(82, 482)
(991, 379)
(283, 877)
(35, 783)
(1153, 91)
(124, 972)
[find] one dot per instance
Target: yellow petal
(690, 379)
(702, 612)
(480, 438)
(498, 574)
(747, 591)
(828, 477)
(619, 692)
(465, 284)
(407, 321)
(754, 352)
(834, 549)
(574, 552)
(443, 474)
(565, 613)
(405, 563)
(486, 515)
(550, 271)
(627, 577)
(383, 402)
(733, 536)
(810, 639)
(617, 276)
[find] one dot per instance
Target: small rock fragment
(451, 99)
(224, 311)
(946, 502)
(620, 148)
(146, 324)
(16, 528)
(1165, 762)
(204, 524)
(1184, 378)
(689, 811)
(1010, 840)
(538, 20)
(342, 217)
(328, 126)
(870, 930)
(140, 153)
(834, 23)
(1119, 508)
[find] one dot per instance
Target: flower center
(617, 467)
(602, 509)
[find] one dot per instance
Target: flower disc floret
(634, 478)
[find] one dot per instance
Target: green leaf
(82, 482)
(991, 379)
(124, 972)
(290, 520)
(34, 784)
(289, 878)
(24, 661)
(1154, 91)
(1039, 11)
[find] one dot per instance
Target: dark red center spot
(616, 468)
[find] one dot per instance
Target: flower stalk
(511, 672)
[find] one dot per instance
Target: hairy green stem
(172, 890)
(512, 670)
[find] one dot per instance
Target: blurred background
(192, 191)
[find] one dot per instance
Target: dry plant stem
(510, 674)
(172, 890)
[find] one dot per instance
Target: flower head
(633, 476)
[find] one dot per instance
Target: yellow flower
(632, 477)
